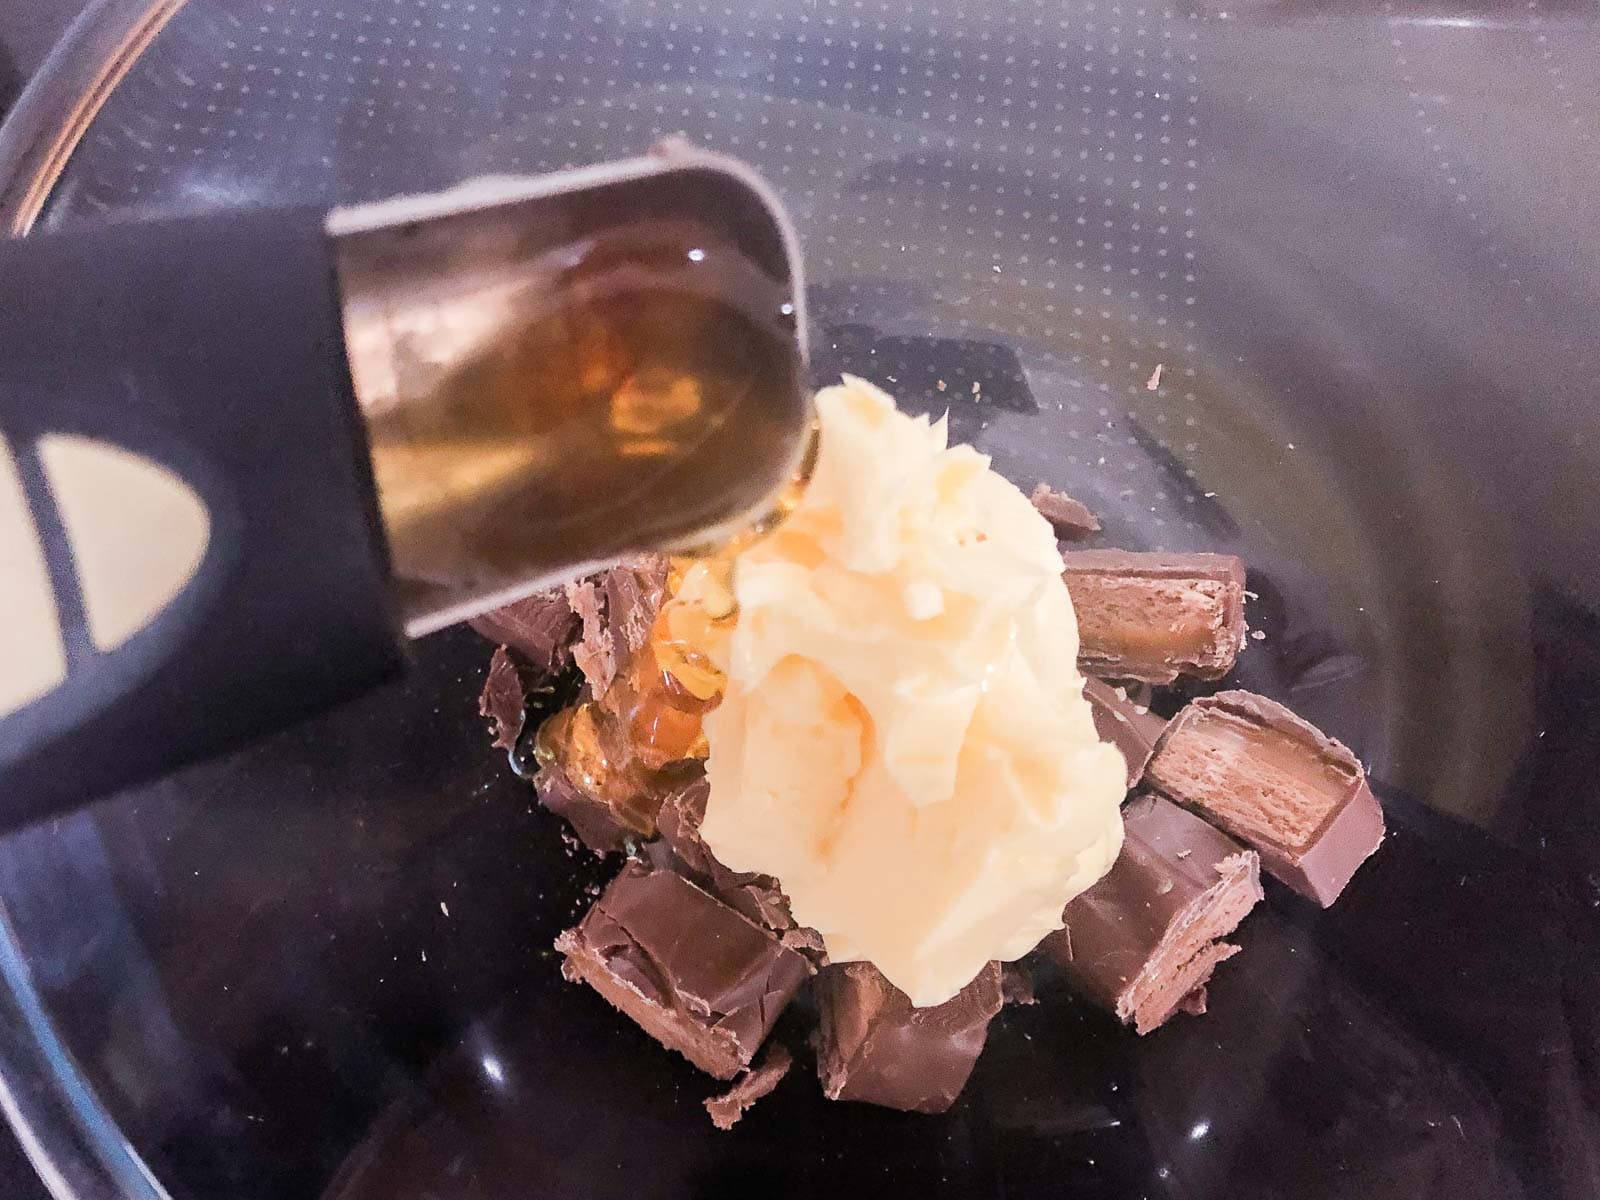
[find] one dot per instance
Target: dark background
(28, 29)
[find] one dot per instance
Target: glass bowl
(1360, 243)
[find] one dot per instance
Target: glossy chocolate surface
(1156, 617)
(873, 1046)
(539, 630)
(1276, 782)
(1144, 941)
(690, 971)
(1126, 723)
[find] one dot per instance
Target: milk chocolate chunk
(1132, 728)
(594, 821)
(617, 609)
(634, 595)
(1154, 617)
(1143, 942)
(504, 699)
(874, 1047)
(1069, 518)
(678, 823)
(757, 897)
(1250, 766)
(539, 629)
(758, 1081)
(691, 972)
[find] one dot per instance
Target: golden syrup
(631, 745)
(643, 388)
(687, 634)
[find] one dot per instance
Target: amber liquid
(614, 374)
(643, 736)
(648, 395)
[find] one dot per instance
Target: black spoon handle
(190, 547)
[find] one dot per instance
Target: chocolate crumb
(752, 1085)
(504, 699)
(1068, 517)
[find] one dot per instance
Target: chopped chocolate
(693, 973)
(1070, 519)
(1016, 984)
(1154, 617)
(504, 700)
(757, 897)
(807, 941)
(756, 1082)
(1275, 782)
(1143, 941)
(539, 629)
(594, 652)
(1132, 728)
(634, 594)
(594, 821)
(873, 1046)
(678, 823)
(617, 609)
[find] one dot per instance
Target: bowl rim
(67, 1133)
(50, 118)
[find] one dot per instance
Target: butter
(902, 738)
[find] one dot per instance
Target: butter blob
(902, 738)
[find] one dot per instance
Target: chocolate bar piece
(504, 700)
(1069, 518)
(1154, 617)
(1275, 782)
(618, 609)
(758, 1081)
(1131, 728)
(874, 1047)
(1143, 941)
(757, 897)
(694, 974)
(539, 629)
(594, 821)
